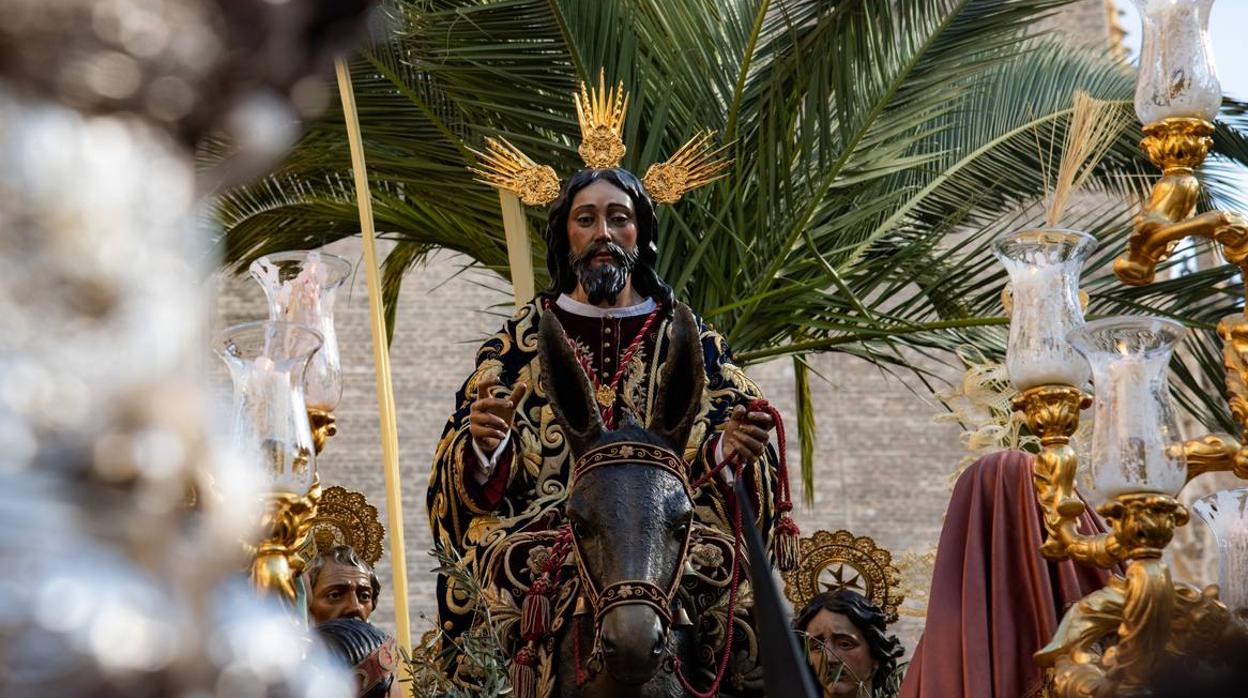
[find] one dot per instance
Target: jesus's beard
(603, 283)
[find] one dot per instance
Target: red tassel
(524, 674)
(788, 551)
(535, 611)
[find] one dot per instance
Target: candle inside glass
(1136, 442)
(1226, 515)
(267, 362)
(301, 289)
(1176, 75)
(1044, 268)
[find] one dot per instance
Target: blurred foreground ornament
(112, 586)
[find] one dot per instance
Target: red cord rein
(783, 505)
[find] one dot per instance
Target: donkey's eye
(580, 529)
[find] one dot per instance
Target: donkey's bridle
(632, 592)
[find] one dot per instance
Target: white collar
(576, 307)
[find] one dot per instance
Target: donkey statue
(633, 597)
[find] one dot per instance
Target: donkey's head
(629, 504)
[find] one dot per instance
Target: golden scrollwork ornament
(841, 560)
(345, 517)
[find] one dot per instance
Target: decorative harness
(536, 621)
(632, 591)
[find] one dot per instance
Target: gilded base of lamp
(1177, 143)
(285, 523)
(1114, 641)
(1143, 523)
(1052, 413)
(324, 425)
(1177, 146)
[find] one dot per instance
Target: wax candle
(1136, 444)
(1176, 75)
(1044, 266)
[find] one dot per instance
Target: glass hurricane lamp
(1136, 443)
(301, 289)
(1177, 77)
(1044, 267)
(1226, 515)
(268, 361)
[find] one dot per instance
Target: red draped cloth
(995, 600)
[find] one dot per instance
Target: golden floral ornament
(695, 164)
(840, 560)
(601, 115)
(345, 517)
(504, 166)
(605, 396)
(703, 556)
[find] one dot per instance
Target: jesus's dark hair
(645, 278)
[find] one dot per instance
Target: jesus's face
(602, 236)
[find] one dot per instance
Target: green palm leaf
(878, 148)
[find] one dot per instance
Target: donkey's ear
(680, 383)
(567, 387)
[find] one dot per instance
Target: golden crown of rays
(345, 517)
(600, 113)
(840, 560)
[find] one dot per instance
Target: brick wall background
(883, 465)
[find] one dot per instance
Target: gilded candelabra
(284, 526)
(1114, 641)
(273, 427)
(1177, 146)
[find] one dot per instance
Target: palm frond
(877, 146)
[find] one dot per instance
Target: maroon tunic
(603, 342)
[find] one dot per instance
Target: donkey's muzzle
(633, 643)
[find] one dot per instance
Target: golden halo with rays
(840, 560)
(345, 517)
(600, 114)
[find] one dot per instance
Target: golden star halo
(841, 560)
